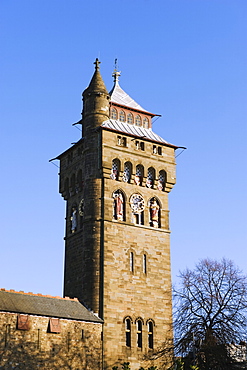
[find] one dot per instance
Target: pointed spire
(96, 84)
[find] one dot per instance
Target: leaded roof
(124, 127)
(119, 96)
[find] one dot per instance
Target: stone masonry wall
(129, 291)
(77, 347)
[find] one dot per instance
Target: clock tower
(115, 181)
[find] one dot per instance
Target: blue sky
(183, 59)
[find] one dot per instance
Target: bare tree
(210, 313)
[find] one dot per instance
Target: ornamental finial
(97, 63)
(116, 73)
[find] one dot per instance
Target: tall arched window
(115, 169)
(139, 333)
(122, 116)
(128, 332)
(79, 181)
(73, 219)
(127, 172)
(144, 263)
(150, 335)
(113, 113)
(150, 178)
(139, 174)
(66, 188)
(162, 180)
(118, 205)
(145, 122)
(138, 121)
(72, 183)
(131, 261)
(130, 118)
(154, 212)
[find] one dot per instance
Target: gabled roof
(124, 127)
(37, 304)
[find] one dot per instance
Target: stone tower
(116, 181)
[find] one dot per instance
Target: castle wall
(77, 346)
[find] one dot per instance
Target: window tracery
(137, 206)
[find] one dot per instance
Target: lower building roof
(37, 304)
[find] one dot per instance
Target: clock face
(137, 203)
(81, 208)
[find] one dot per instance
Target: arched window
(139, 333)
(154, 213)
(79, 181)
(122, 116)
(150, 178)
(66, 188)
(127, 172)
(115, 169)
(113, 113)
(138, 121)
(73, 219)
(162, 180)
(139, 174)
(137, 206)
(145, 122)
(118, 205)
(131, 262)
(72, 183)
(130, 118)
(81, 212)
(128, 332)
(150, 335)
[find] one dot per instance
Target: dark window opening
(139, 334)
(150, 335)
(128, 332)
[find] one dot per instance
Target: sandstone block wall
(78, 346)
